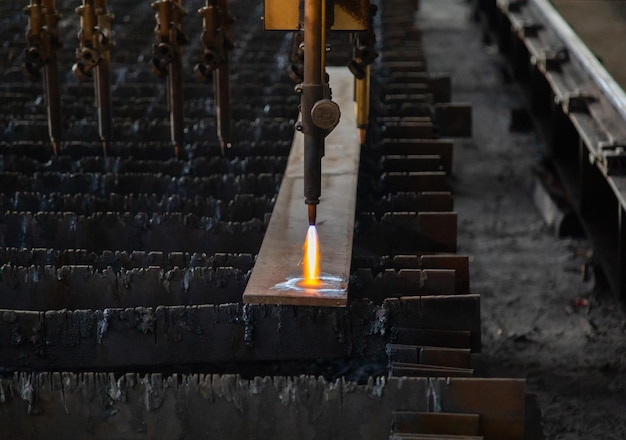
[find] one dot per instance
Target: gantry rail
(582, 110)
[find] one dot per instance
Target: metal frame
(582, 111)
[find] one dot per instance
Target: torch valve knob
(325, 114)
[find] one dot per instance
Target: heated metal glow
(311, 260)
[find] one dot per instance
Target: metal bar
(400, 369)
(176, 102)
(281, 250)
(228, 406)
(103, 75)
(459, 263)
(103, 101)
(53, 102)
(445, 357)
(222, 100)
(442, 148)
(362, 98)
(228, 333)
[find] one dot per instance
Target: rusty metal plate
(460, 264)
(189, 406)
(500, 403)
(436, 423)
(392, 283)
(281, 251)
(115, 338)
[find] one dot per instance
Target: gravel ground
(540, 318)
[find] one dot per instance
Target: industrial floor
(544, 315)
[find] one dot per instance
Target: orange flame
(311, 261)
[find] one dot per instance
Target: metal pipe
(43, 42)
(103, 74)
(313, 18)
(176, 101)
(175, 79)
(222, 89)
(362, 98)
(93, 55)
(217, 42)
(363, 56)
(103, 101)
(222, 99)
(167, 61)
(51, 75)
(312, 92)
(53, 102)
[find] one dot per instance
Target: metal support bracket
(551, 59)
(576, 102)
(530, 29)
(613, 156)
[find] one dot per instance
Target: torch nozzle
(362, 132)
(312, 214)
